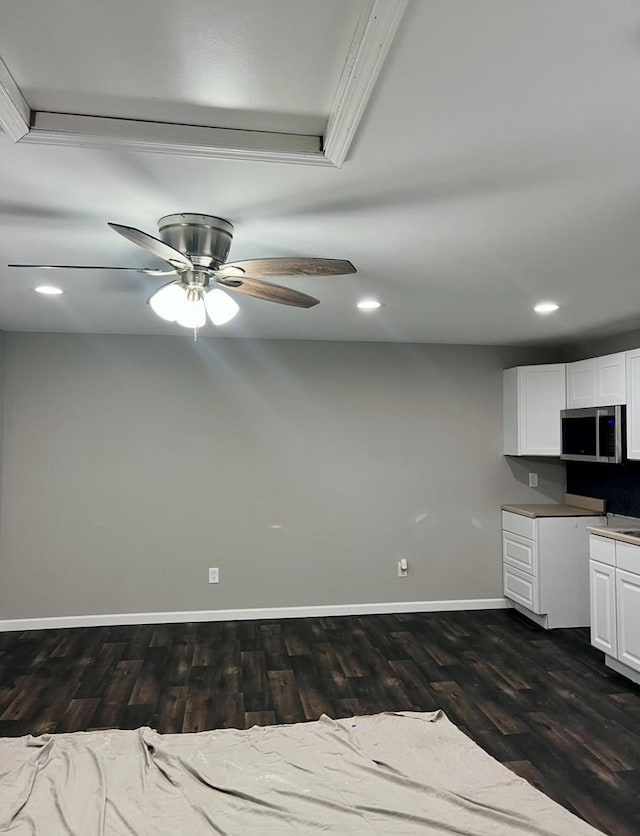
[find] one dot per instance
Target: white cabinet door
(602, 583)
(581, 384)
(611, 385)
(533, 397)
(628, 613)
(633, 404)
(542, 395)
(599, 381)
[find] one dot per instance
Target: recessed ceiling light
(546, 307)
(48, 290)
(369, 304)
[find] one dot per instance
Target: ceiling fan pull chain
(195, 335)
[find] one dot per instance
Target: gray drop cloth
(398, 774)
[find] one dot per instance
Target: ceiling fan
(195, 247)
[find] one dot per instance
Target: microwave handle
(599, 414)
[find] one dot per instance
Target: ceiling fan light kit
(196, 248)
(188, 306)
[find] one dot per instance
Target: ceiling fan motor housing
(204, 238)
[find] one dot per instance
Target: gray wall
(604, 345)
(303, 470)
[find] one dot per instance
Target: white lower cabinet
(628, 618)
(603, 606)
(545, 567)
(615, 603)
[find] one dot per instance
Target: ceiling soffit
(371, 42)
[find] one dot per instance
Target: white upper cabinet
(532, 399)
(600, 381)
(611, 383)
(581, 384)
(633, 404)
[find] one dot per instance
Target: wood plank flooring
(542, 703)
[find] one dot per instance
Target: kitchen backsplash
(619, 484)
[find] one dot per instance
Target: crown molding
(15, 113)
(369, 47)
(371, 43)
(166, 138)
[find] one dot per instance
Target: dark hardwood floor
(542, 703)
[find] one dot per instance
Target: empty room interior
(320, 417)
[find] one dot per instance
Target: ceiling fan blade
(150, 271)
(269, 292)
(256, 267)
(154, 245)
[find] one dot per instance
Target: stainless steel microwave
(593, 434)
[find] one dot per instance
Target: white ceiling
(270, 66)
(498, 164)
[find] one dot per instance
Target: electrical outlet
(533, 480)
(214, 575)
(403, 567)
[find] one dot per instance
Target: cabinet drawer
(519, 552)
(517, 524)
(628, 557)
(521, 587)
(602, 549)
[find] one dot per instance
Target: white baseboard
(108, 619)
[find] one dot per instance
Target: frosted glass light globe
(167, 303)
(192, 314)
(220, 306)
